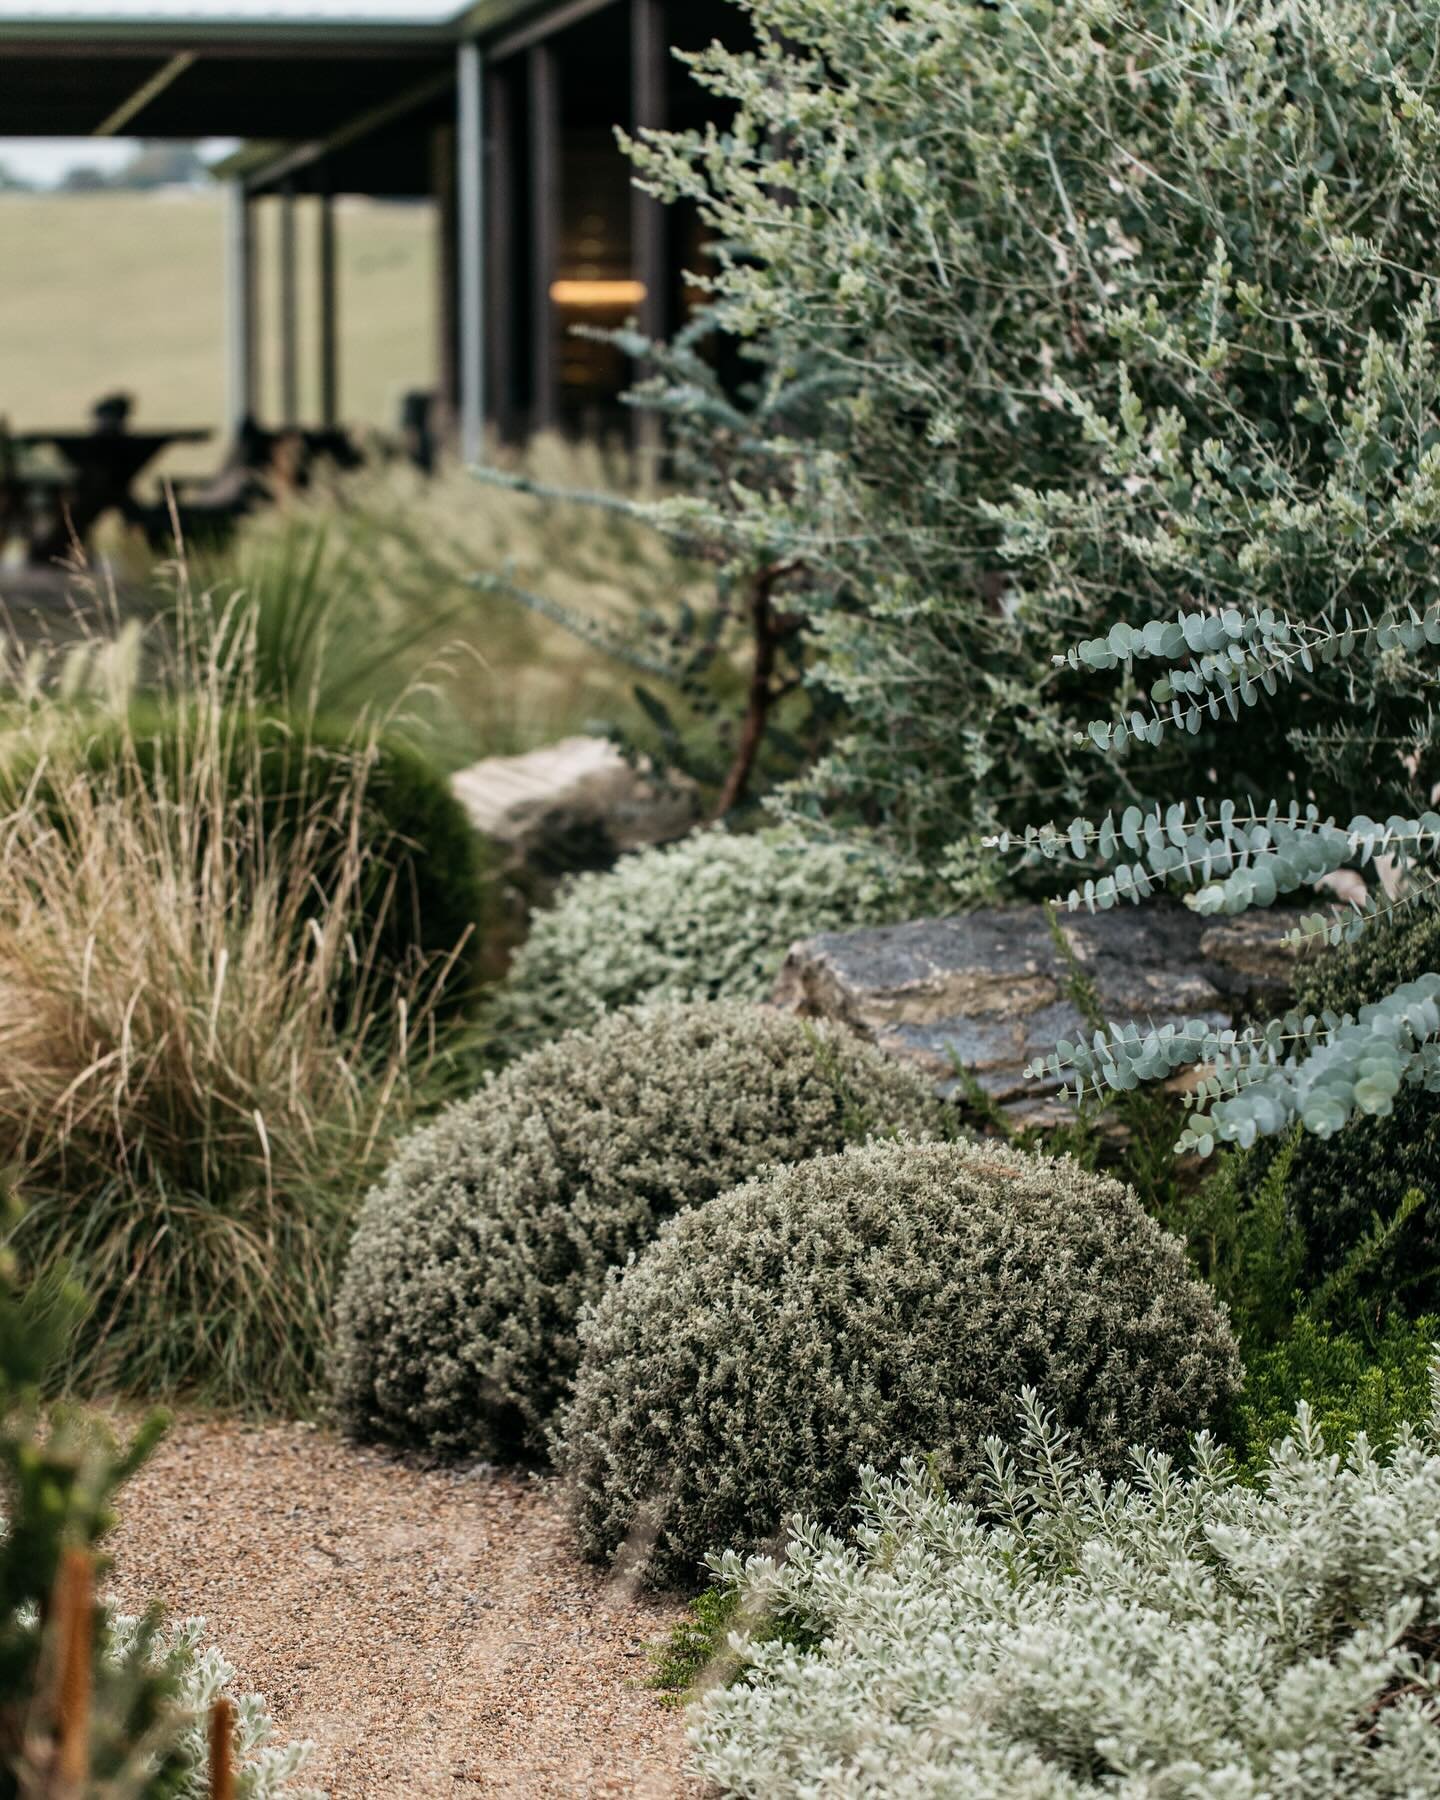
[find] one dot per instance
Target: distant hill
(124, 290)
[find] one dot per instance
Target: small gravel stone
(432, 1630)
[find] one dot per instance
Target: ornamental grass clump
(709, 918)
(422, 900)
(495, 1225)
(201, 1053)
(1170, 1634)
(858, 1308)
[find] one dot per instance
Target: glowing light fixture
(597, 293)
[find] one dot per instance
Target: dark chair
(261, 465)
(111, 415)
(417, 429)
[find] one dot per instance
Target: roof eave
(221, 33)
(481, 17)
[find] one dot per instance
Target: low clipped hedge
(854, 1310)
(428, 883)
(496, 1224)
(708, 918)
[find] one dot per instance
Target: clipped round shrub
(497, 1223)
(708, 918)
(1339, 1187)
(861, 1308)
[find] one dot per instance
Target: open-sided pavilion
(501, 111)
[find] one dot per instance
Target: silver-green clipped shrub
(496, 1224)
(1171, 1635)
(708, 918)
(853, 1309)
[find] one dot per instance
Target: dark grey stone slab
(990, 991)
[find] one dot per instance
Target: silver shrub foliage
(263, 1769)
(1172, 1636)
(494, 1225)
(1114, 298)
(708, 918)
(842, 1311)
(1302, 547)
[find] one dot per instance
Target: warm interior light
(597, 293)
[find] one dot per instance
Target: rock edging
(990, 990)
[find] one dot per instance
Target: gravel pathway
(431, 1630)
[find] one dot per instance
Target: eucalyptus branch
(578, 625)
(1255, 1083)
(1227, 657)
(1231, 860)
(516, 483)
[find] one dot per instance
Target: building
(501, 111)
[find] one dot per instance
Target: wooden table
(103, 468)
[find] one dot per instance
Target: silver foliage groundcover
(264, 1770)
(1167, 1637)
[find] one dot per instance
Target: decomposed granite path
(431, 1630)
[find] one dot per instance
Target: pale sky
(48, 160)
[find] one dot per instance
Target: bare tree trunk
(768, 631)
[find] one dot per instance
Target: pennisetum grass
(200, 1065)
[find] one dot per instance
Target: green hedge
(496, 1225)
(852, 1310)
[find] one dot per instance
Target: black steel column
(500, 250)
(241, 308)
(289, 313)
(545, 154)
(649, 62)
(470, 209)
(447, 282)
(649, 54)
(329, 323)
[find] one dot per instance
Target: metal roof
(81, 25)
(229, 15)
(293, 70)
(78, 26)
(317, 75)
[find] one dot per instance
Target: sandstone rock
(577, 803)
(990, 990)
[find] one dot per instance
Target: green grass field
(110, 291)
